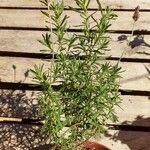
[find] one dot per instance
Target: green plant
(85, 101)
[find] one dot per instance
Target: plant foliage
(85, 101)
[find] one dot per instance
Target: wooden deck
(22, 24)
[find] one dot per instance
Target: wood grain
(28, 137)
(35, 19)
(21, 3)
(26, 41)
(115, 4)
(20, 137)
(24, 104)
(134, 77)
(126, 140)
(19, 104)
(128, 113)
(17, 69)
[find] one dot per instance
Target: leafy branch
(89, 87)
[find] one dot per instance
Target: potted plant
(84, 101)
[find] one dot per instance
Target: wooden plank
(23, 104)
(28, 137)
(121, 4)
(20, 41)
(115, 4)
(26, 41)
(20, 137)
(17, 69)
(18, 18)
(138, 47)
(19, 104)
(126, 140)
(128, 113)
(135, 76)
(21, 3)
(131, 79)
(21, 18)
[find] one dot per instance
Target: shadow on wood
(135, 140)
(20, 137)
(136, 41)
(18, 104)
(42, 147)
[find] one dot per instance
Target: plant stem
(132, 32)
(52, 60)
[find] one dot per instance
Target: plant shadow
(42, 147)
(136, 41)
(19, 104)
(135, 140)
(20, 137)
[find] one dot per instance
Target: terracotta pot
(94, 146)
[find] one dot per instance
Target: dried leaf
(136, 14)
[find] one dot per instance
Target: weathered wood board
(19, 104)
(134, 111)
(21, 22)
(115, 4)
(26, 41)
(23, 104)
(126, 140)
(35, 19)
(25, 137)
(19, 137)
(17, 69)
(134, 77)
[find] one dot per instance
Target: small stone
(34, 102)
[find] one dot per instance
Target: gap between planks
(81, 57)
(33, 122)
(14, 28)
(66, 8)
(36, 87)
